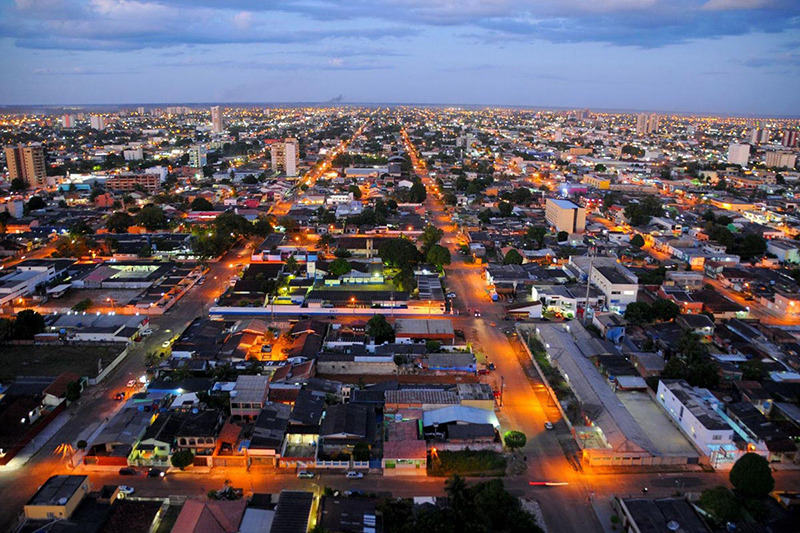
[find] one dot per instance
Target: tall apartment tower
(217, 124)
(197, 156)
(790, 138)
(26, 162)
(68, 121)
(739, 154)
(646, 124)
(759, 136)
(286, 157)
(97, 122)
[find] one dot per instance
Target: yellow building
(597, 182)
(565, 215)
(57, 498)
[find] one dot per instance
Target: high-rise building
(26, 162)
(565, 215)
(780, 160)
(197, 156)
(286, 157)
(759, 136)
(217, 124)
(739, 154)
(646, 124)
(790, 138)
(68, 121)
(97, 122)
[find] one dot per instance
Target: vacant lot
(33, 360)
(467, 463)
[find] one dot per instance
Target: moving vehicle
(451, 295)
(165, 344)
(155, 472)
(477, 313)
(305, 474)
(119, 396)
(125, 471)
(548, 425)
(126, 490)
(354, 475)
(131, 383)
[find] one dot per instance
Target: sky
(700, 56)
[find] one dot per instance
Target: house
(619, 287)
(293, 512)
(664, 515)
(210, 516)
(57, 498)
(410, 330)
(349, 515)
(452, 362)
(249, 396)
(344, 426)
(404, 449)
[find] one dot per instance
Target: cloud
(141, 24)
(76, 71)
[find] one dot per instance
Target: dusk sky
(727, 56)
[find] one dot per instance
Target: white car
(451, 295)
(147, 332)
(165, 344)
(548, 426)
(354, 475)
(126, 490)
(132, 383)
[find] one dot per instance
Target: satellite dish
(672, 525)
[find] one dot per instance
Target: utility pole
(592, 254)
(502, 389)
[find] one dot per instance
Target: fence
(111, 366)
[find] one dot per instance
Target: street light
(353, 303)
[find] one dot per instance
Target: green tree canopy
(752, 476)
(380, 330)
(398, 253)
(152, 217)
(340, 267)
(119, 222)
(27, 324)
(182, 458)
(430, 235)
(438, 256)
(513, 257)
(514, 439)
(201, 204)
(637, 241)
(721, 503)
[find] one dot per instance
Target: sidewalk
(37, 443)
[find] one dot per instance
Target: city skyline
(654, 55)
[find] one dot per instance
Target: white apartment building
(286, 157)
(97, 122)
(197, 156)
(217, 124)
(619, 287)
(565, 215)
(776, 159)
(739, 154)
(694, 411)
(23, 281)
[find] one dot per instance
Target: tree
(340, 267)
(665, 310)
(513, 257)
(638, 313)
(361, 451)
(380, 330)
(36, 202)
(599, 167)
(438, 256)
(535, 234)
(73, 392)
(182, 458)
(514, 439)
(505, 209)
(201, 204)
(119, 222)
(721, 503)
(83, 305)
(152, 217)
(290, 265)
(262, 227)
(418, 194)
(27, 324)
(355, 190)
(637, 241)
(752, 476)
(18, 185)
(326, 240)
(398, 253)
(562, 236)
(405, 279)
(430, 235)
(81, 444)
(753, 370)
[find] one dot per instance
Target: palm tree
(456, 489)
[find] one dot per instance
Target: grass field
(32, 360)
(467, 463)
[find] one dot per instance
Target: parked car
(305, 474)
(354, 492)
(451, 295)
(491, 366)
(147, 332)
(155, 472)
(126, 490)
(165, 344)
(125, 471)
(119, 396)
(548, 425)
(131, 383)
(354, 475)
(483, 371)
